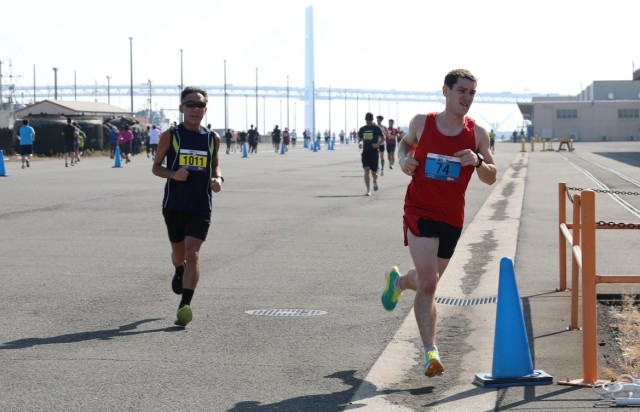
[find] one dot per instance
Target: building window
(628, 113)
(566, 114)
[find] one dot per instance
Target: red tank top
(433, 199)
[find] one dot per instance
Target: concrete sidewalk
(519, 220)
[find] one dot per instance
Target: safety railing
(581, 236)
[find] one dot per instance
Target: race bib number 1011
(441, 167)
(194, 160)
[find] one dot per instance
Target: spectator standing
(154, 139)
(70, 134)
(113, 140)
(275, 138)
(26, 135)
(125, 137)
(286, 138)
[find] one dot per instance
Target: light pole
(295, 115)
(1, 85)
(181, 85)
(149, 119)
(287, 100)
(34, 85)
(246, 112)
(55, 83)
(357, 110)
(226, 126)
(131, 71)
(257, 99)
(345, 113)
(329, 112)
(108, 89)
(264, 114)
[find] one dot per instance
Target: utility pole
(149, 119)
(108, 89)
(34, 83)
(1, 85)
(131, 70)
(55, 83)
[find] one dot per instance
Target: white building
(605, 110)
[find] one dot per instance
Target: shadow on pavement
(630, 158)
(329, 402)
(125, 330)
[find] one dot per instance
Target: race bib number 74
(194, 160)
(441, 167)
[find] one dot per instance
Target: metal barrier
(582, 239)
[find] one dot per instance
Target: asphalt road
(88, 310)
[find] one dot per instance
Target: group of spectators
(133, 141)
(234, 140)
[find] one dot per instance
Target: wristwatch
(219, 177)
(480, 160)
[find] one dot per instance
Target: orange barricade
(582, 239)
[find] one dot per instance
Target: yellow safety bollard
(522, 145)
(544, 145)
(533, 144)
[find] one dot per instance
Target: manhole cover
(286, 312)
(465, 302)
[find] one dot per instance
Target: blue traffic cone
(512, 364)
(3, 171)
(244, 150)
(117, 157)
(306, 144)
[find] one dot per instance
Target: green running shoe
(176, 282)
(432, 364)
(184, 316)
(390, 295)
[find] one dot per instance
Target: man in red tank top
(440, 152)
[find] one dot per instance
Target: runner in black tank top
(193, 173)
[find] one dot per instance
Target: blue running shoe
(184, 316)
(390, 295)
(432, 364)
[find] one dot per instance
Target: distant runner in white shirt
(154, 139)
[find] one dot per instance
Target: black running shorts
(370, 159)
(447, 235)
(183, 224)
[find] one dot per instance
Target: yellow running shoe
(390, 295)
(184, 316)
(433, 365)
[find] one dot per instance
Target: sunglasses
(199, 105)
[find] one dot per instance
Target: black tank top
(194, 151)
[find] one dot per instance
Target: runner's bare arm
(408, 144)
(487, 171)
(216, 180)
(161, 171)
